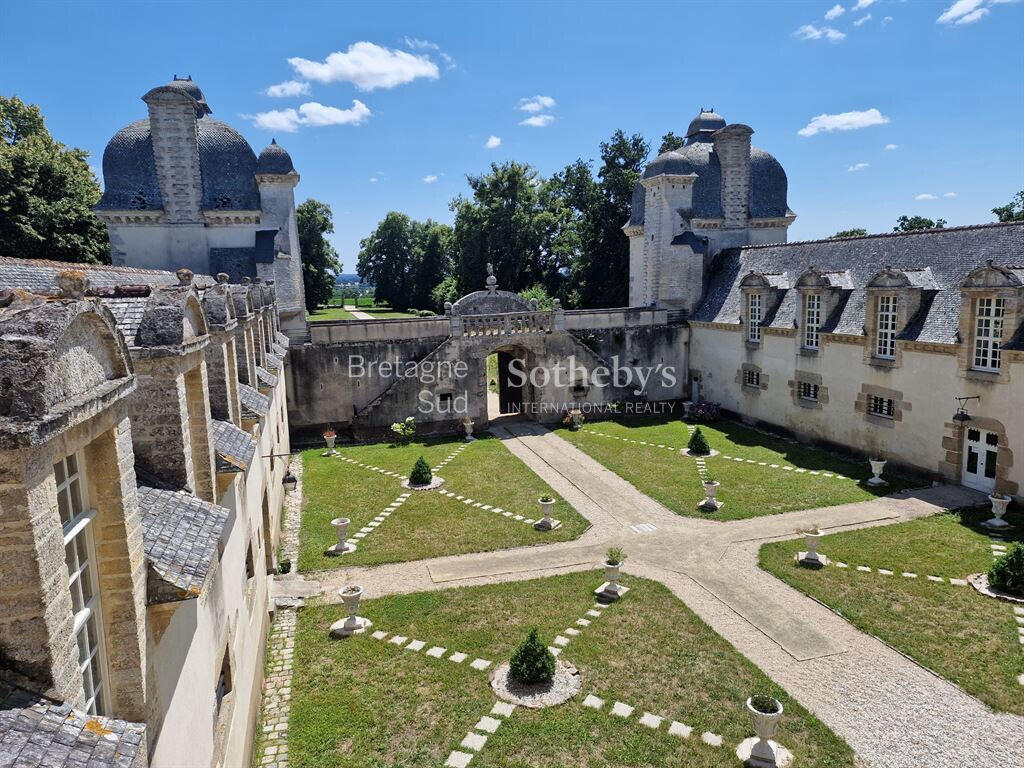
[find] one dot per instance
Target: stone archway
(506, 391)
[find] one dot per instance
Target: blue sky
(404, 110)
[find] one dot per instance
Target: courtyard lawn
(749, 488)
(959, 634)
(368, 703)
(428, 524)
(327, 314)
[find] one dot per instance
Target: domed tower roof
(274, 159)
(703, 125)
(185, 84)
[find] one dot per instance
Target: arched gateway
(366, 375)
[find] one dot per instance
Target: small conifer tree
(532, 663)
(1007, 573)
(420, 474)
(698, 443)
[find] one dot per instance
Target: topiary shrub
(420, 474)
(532, 663)
(1007, 573)
(698, 443)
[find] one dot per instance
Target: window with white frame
(83, 582)
(812, 320)
(808, 391)
(751, 378)
(885, 334)
(754, 317)
(881, 406)
(988, 332)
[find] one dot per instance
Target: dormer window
(988, 332)
(812, 320)
(754, 317)
(885, 328)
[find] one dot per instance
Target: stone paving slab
(621, 710)
(458, 760)
(488, 724)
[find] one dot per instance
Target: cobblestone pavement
(893, 712)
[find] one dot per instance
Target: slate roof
(254, 405)
(37, 731)
(279, 351)
(281, 339)
(274, 363)
(938, 260)
(127, 312)
(274, 159)
(227, 167)
(40, 276)
(235, 447)
(265, 377)
(181, 535)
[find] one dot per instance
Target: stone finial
(558, 305)
(447, 307)
(72, 283)
(246, 281)
(185, 276)
(223, 277)
(257, 280)
(492, 281)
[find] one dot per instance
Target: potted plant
(877, 466)
(329, 437)
(812, 558)
(353, 625)
(340, 525)
(546, 522)
(765, 713)
(710, 503)
(576, 417)
(611, 589)
(999, 503)
(467, 429)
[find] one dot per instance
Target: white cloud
(973, 16)
(834, 12)
(288, 88)
(429, 179)
(373, 179)
(844, 121)
(367, 66)
(311, 113)
(968, 11)
(858, 166)
(811, 32)
(950, 194)
(536, 104)
(493, 142)
(926, 196)
(862, 4)
(538, 121)
(862, 20)
(886, 20)
(892, 146)
(420, 45)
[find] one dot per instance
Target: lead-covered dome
(185, 84)
(226, 162)
(274, 159)
(703, 125)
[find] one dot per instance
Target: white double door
(980, 450)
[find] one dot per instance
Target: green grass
(366, 703)
(327, 314)
(747, 490)
(428, 524)
(961, 635)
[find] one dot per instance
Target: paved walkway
(359, 314)
(894, 713)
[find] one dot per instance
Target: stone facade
(122, 517)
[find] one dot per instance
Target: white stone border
(434, 652)
(652, 721)
(436, 482)
(469, 502)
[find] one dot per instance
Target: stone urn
(764, 751)
(710, 503)
(546, 522)
(877, 466)
(688, 409)
(467, 427)
(353, 625)
(329, 438)
(999, 505)
(812, 540)
(611, 590)
(340, 525)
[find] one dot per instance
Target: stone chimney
(732, 145)
(172, 123)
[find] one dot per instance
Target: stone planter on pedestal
(341, 531)
(546, 523)
(761, 751)
(688, 409)
(812, 557)
(354, 624)
(611, 590)
(710, 503)
(877, 466)
(999, 505)
(467, 426)
(329, 439)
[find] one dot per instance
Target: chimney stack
(732, 145)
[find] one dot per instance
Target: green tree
(47, 192)
(421, 474)
(432, 261)
(532, 663)
(536, 292)
(670, 141)
(698, 443)
(319, 259)
(856, 232)
(1013, 210)
(912, 223)
(406, 259)
(446, 290)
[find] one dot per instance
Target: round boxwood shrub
(420, 474)
(1007, 573)
(532, 663)
(698, 443)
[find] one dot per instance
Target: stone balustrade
(507, 324)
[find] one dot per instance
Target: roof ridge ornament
(492, 281)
